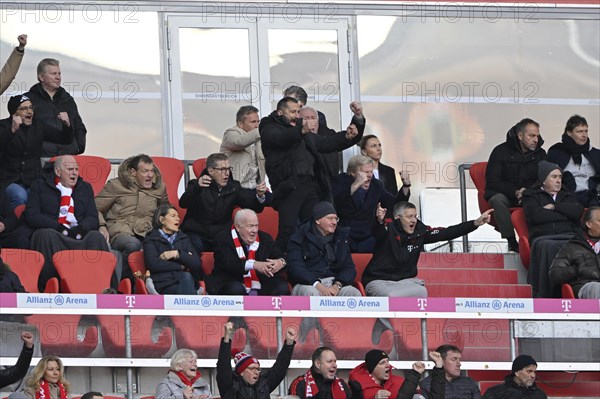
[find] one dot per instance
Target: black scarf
(568, 145)
(327, 242)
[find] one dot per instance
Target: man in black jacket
(246, 260)
(54, 107)
(578, 262)
(13, 374)
(553, 216)
(211, 199)
(393, 269)
(512, 168)
(520, 384)
(62, 212)
(246, 381)
(296, 169)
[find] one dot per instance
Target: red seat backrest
(198, 166)
(27, 264)
(84, 271)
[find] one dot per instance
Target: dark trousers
(295, 208)
(543, 252)
(274, 286)
(185, 286)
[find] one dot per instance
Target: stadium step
(478, 290)
(461, 260)
(470, 276)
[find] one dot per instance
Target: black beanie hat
(15, 101)
(544, 169)
(521, 362)
(373, 357)
(323, 208)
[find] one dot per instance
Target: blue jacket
(307, 260)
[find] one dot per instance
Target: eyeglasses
(27, 108)
(255, 369)
(223, 170)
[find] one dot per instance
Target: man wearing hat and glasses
(520, 384)
(373, 379)
(21, 140)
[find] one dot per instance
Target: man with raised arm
(246, 381)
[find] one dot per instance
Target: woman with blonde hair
(47, 380)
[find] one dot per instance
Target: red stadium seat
(352, 342)
(94, 170)
(203, 334)
(136, 263)
(143, 343)
(84, 271)
(66, 335)
(27, 264)
(477, 173)
(567, 291)
(268, 221)
(171, 170)
(520, 223)
(198, 166)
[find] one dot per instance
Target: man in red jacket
(373, 379)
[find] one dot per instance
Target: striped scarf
(44, 391)
(251, 280)
(66, 213)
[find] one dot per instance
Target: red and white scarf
(44, 391)
(311, 390)
(251, 280)
(66, 213)
(184, 378)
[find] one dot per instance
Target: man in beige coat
(10, 69)
(241, 144)
(127, 203)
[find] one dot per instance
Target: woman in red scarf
(47, 380)
(183, 379)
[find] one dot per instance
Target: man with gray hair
(247, 261)
(356, 195)
(241, 144)
(55, 107)
(393, 269)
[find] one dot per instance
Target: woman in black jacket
(371, 147)
(173, 262)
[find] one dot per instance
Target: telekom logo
(276, 302)
(567, 305)
(130, 300)
(422, 303)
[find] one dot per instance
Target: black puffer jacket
(46, 112)
(564, 218)
(15, 373)
(209, 209)
(576, 264)
(510, 390)
(284, 146)
(509, 169)
(232, 386)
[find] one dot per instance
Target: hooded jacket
(576, 264)
(46, 110)
(124, 207)
(509, 168)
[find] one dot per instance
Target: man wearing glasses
(21, 140)
(211, 199)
